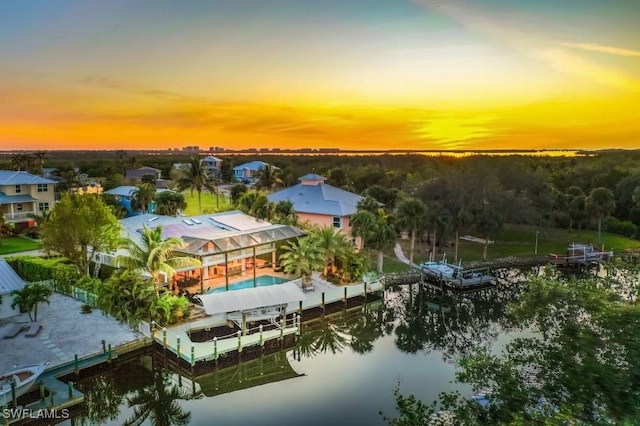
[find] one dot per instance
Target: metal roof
(128, 190)
(251, 298)
(312, 176)
(10, 177)
(321, 198)
(9, 279)
(12, 199)
(251, 165)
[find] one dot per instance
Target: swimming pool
(261, 281)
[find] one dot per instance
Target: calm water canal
(342, 371)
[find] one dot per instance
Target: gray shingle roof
(319, 199)
(10, 177)
(12, 199)
(9, 279)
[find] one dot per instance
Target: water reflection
(350, 359)
(454, 324)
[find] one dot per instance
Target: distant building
(124, 195)
(246, 172)
(319, 203)
(136, 175)
(22, 195)
(192, 149)
(90, 188)
(212, 165)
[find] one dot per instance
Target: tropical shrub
(169, 309)
(127, 297)
(621, 227)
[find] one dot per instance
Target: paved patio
(65, 333)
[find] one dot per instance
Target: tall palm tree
(300, 258)
(411, 215)
(20, 161)
(154, 255)
(361, 224)
(142, 197)
(29, 297)
(121, 157)
(268, 177)
(195, 178)
(381, 237)
(39, 157)
(600, 203)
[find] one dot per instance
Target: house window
(43, 206)
(18, 189)
(43, 187)
(19, 207)
(337, 222)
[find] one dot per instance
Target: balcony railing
(18, 215)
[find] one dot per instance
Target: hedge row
(33, 268)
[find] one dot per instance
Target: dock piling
(178, 348)
(215, 348)
(239, 341)
(42, 391)
(164, 337)
(70, 390)
(104, 346)
(261, 340)
(193, 355)
(77, 364)
(109, 359)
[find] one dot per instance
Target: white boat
(24, 377)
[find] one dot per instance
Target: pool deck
(176, 339)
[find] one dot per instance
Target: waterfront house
(9, 281)
(246, 172)
(136, 175)
(23, 194)
(320, 203)
(231, 246)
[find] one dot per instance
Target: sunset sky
(366, 74)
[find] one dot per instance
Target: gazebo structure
(228, 245)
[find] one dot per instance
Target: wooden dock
(177, 341)
(455, 276)
(579, 255)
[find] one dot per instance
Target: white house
(9, 281)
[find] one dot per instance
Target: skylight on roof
(187, 221)
(152, 219)
(196, 221)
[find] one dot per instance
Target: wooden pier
(578, 255)
(176, 339)
(455, 276)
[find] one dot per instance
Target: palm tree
(159, 402)
(300, 258)
(20, 161)
(195, 178)
(600, 203)
(332, 245)
(142, 197)
(39, 157)
(70, 177)
(361, 223)
(169, 203)
(154, 255)
(267, 177)
(121, 157)
(127, 297)
(381, 237)
(29, 297)
(411, 214)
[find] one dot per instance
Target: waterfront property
(23, 195)
(456, 276)
(580, 254)
(231, 246)
(319, 203)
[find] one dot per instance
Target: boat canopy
(251, 298)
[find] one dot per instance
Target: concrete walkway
(65, 332)
(401, 257)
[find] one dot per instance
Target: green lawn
(519, 240)
(208, 203)
(17, 244)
